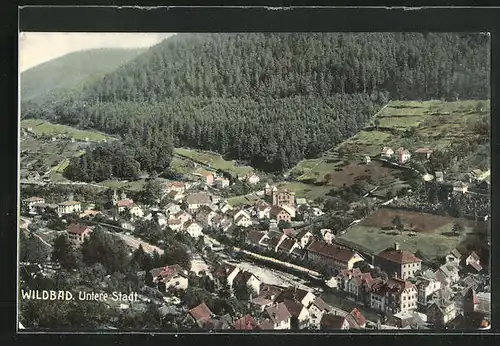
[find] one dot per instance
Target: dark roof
(78, 229)
(399, 256)
(287, 244)
(329, 321)
(273, 242)
(201, 312)
(302, 233)
(255, 237)
(320, 304)
(224, 270)
(293, 307)
(276, 211)
(243, 276)
(330, 250)
(291, 294)
(278, 313)
(247, 322)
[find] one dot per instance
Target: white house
(279, 316)
(69, 207)
(172, 209)
(263, 212)
(250, 280)
(327, 235)
(426, 288)
(136, 211)
(29, 203)
(171, 276)
(253, 178)
(221, 183)
(193, 229)
(316, 310)
(243, 221)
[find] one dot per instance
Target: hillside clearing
(41, 127)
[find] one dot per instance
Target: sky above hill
(39, 47)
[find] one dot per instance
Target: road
(135, 243)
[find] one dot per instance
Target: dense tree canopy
(271, 99)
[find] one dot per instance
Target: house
(261, 302)
(299, 314)
(171, 276)
(263, 212)
(460, 187)
(78, 233)
(29, 203)
(256, 237)
(300, 201)
(288, 245)
(205, 215)
(177, 186)
(221, 183)
(253, 178)
(271, 291)
(69, 207)
(183, 216)
(246, 322)
(448, 274)
(135, 210)
(219, 323)
(423, 152)
(336, 256)
(398, 263)
(33, 175)
(171, 209)
(327, 235)
(225, 207)
(317, 308)
(175, 224)
(279, 316)
(206, 177)
(439, 176)
(427, 177)
(243, 221)
(484, 303)
(358, 317)
(355, 284)
(289, 210)
(199, 315)
(441, 313)
(427, 290)
(196, 200)
(402, 296)
(333, 322)
(366, 159)
(454, 257)
(283, 197)
(90, 213)
(477, 175)
(176, 195)
(387, 152)
(403, 155)
(124, 204)
(250, 280)
(293, 293)
(378, 296)
(225, 274)
(474, 261)
(193, 228)
(279, 214)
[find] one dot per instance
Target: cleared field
(215, 161)
(374, 171)
(182, 166)
(432, 234)
(242, 200)
(127, 185)
(437, 124)
(42, 127)
(307, 191)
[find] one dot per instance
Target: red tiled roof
(332, 251)
(320, 304)
(201, 312)
(399, 256)
(291, 294)
(275, 211)
(358, 316)
(255, 237)
(169, 272)
(294, 308)
(243, 277)
(247, 322)
(78, 229)
(125, 202)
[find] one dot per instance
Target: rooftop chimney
(396, 246)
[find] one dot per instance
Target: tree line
(271, 99)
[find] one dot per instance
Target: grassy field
(127, 185)
(432, 235)
(215, 161)
(437, 124)
(42, 127)
(242, 200)
(307, 191)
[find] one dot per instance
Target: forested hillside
(72, 70)
(270, 98)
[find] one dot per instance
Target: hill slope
(72, 70)
(271, 99)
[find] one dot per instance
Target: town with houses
(291, 275)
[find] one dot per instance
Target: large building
(336, 256)
(29, 204)
(398, 263)
(77, 233)
(283, 197)
(69, 207)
